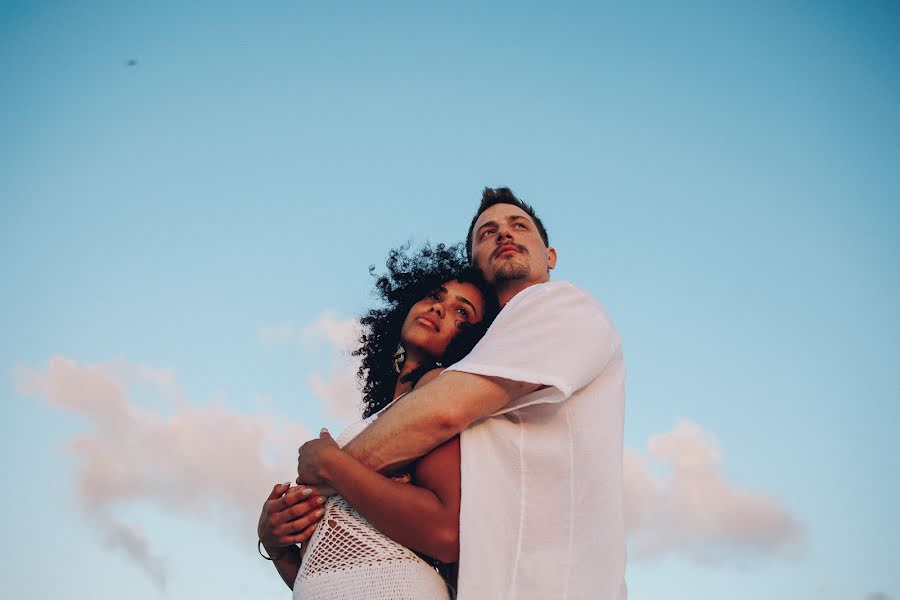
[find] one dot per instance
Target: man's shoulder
(556, 291)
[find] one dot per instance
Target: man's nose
(504, 233)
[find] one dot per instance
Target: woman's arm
(288, 564)
(423, 516)
(288, 517)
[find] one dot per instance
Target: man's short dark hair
(502, 195)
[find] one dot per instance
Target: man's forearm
(429, 416)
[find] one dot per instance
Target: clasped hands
(291, 514)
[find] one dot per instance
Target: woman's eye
(433, 296)
(463, 312)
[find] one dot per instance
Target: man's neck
(508, 291)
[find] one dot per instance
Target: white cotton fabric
(348, 559)
(541, 515)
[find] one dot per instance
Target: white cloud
(328, 327)
(337, 385)
(693, 510)
(210, 462)
(339, 390)
(202, 461)
(342, 334)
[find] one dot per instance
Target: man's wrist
(363, 456)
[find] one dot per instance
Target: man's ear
(551, 258)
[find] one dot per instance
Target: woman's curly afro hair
(410, 277)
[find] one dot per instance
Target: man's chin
(510, 272)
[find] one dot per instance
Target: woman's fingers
(303, 535)
(318, 490)
(293, 496)
(269, 516)
(303, 510)
(279, 490)
(288, 531)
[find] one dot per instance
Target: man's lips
(429, 320)
(501, 250)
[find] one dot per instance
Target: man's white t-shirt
(541, 514)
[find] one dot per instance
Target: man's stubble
(511, 271)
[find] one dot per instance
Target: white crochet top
(347, 558)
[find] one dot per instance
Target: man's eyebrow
(509, 219)
(488, 224)
(463, 299)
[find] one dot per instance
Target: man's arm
(424, 419)
(429, 416)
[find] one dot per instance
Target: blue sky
(198, 226)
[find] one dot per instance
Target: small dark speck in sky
(131, 62)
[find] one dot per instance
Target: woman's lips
(428, 322)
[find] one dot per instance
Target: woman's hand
(289, 516)
(312, 459)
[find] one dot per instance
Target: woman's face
(435, 319)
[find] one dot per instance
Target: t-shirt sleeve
(554, 335)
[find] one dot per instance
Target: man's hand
(289, 516)
(312, 458)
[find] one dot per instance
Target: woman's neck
(409, 365)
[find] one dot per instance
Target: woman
(436, 310)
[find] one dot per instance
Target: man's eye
(487, 232)
(520, 225)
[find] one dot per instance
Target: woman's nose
(438, 308)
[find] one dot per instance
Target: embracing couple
(491, 436)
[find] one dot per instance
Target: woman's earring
(399, 358)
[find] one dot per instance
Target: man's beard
(511, 271)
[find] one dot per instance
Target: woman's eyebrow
(466, 301)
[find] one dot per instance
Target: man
(539, 405)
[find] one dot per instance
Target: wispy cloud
(337, 385)
(209, 462)
(203, 461)
(342, 334)
(131, 540)
(693, 510)
(336, 332)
